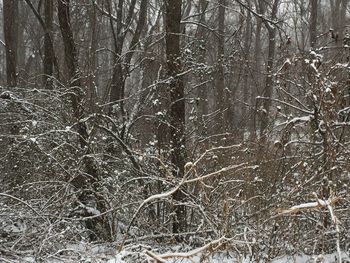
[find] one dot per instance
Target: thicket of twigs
(283, 194)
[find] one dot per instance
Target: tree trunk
(48, 48)
(10, 9)
(71, 62)
(313, 23)
(93, 59)
(268, 89)
(70, 51)
(202, 92)
(23, 16)
(246, 78)
(50, 59)
(342, 18)
(99, 226)
(121, 68)
(221, 106)
(177, 108)
(256, 89)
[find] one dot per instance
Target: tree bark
(256, 89)
(313, 23)
(342, 18)
(121, 68)
(246, 82)
(70, 51)
(50, 60)
(221, 106)
(93, 59)
(202, 92)
(177, 108)
(268, 89)
(48, 48)
(10, 9)
(82, 182)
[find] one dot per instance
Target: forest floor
(97, 253)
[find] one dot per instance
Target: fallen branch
(319, 204)
(212, 246)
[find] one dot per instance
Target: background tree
(177, 104)
(10, 16)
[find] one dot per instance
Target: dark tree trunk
(10, 9)
(92, 78)
(50, 60)
(221, 106)
(99, 226)
(268, 82)
(342, 18)
(313, 23)
(268, 89)
(246, 77)
(202, 104)
(121, 68)
(71, 62)
(177, 108)
(23, 16)
(48, 48)
(256, 89)
(70, 51)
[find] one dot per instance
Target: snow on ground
(105, 254)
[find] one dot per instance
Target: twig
(21, 201)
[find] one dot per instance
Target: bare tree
(100, 226)
(256, 89)
(220, 76)
(313, 23)
(10, 9)
(120, 29)
(268, 89)
(48, 47)
(49, 61)
(338, 14)
(177, 100)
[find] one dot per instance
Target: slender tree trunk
(246, 82)
(342, 18)
(313, 23)
(92, 61)
(121, 68)
(99, 226)
(221, 106)
(304, 26)
(71, 62)
(256, 89)
(70, 51)
(202, 104)
(23, 15)
(118, 76)
(48, 48)
(334, 14)
(268, 89)
(10, 9)
(50, 60)
(177, 108)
